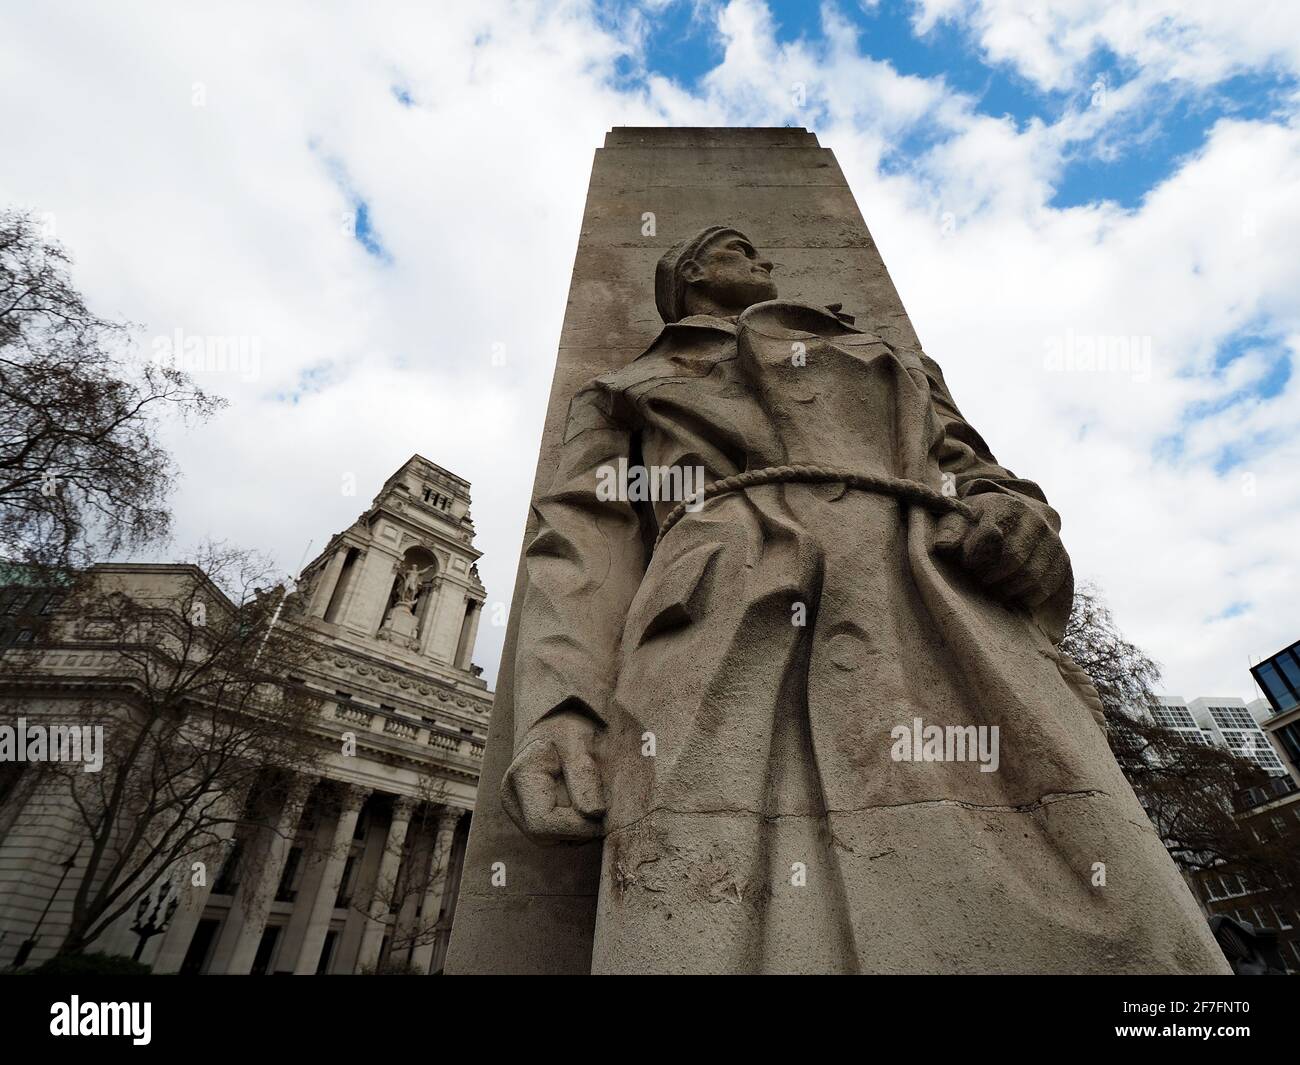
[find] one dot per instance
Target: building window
(1279, 676)
(227, 882)
(1289, 737)
(344, 897)
(265, 948)
(1173, 717)
(197, 955)
(1290, 668)
(1233, 717)
(286, 891)
(327, 953)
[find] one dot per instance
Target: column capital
(449, 817)
(300, 785)
(403, 807)
(352, 797)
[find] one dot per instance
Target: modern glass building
(1279, 676)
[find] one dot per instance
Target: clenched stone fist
(552, 790)
(1012, 550)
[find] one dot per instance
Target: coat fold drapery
(766, 652)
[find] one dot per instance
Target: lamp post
(26, 947)
(147, 922)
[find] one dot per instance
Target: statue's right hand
(552, 790)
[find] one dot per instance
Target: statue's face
(730, 272)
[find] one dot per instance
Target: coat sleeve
(583, 565)
(964, 454)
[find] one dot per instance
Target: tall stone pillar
(433, 613)
(194, 899)
(327, 888)
(237, 947)
(347, 615)
(465, 652)
(445, 623)
(372, 938)
(786, 191)
(445, 832)
(329, 580)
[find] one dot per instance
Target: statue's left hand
(1012, 550)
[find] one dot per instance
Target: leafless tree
(80, 466)
(1191, 790)
(198, 713)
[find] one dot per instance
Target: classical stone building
(391, 609)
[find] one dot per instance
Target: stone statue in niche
(401, 624)
(819, 717)
(409, 583)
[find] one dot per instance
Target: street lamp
(28, 945)
(147, 923)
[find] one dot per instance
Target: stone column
(194, 899)
(327, 890)
(347, 614)
(372, 938)
(237, 946)
(439, 862)
(473, 611)
(433, 617)
(320, 601)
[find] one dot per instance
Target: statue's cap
(670, 289)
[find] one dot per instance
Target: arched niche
(410, 594)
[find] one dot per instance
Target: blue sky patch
(310, 380)
(1132, 155)
(1232, 610)
(362, 227)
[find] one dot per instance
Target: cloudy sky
(384, 200)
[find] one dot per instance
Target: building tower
(404, 574)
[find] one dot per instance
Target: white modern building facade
(1223, 721)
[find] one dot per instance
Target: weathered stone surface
(698, 723)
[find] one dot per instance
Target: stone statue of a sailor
(819, 717)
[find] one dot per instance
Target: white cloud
(227, 219)
(1052, 42)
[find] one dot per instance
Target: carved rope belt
(910, 491)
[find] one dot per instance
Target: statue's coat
(771, 829)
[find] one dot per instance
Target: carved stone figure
(728, 693)
(401, 624)
(409, 589)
